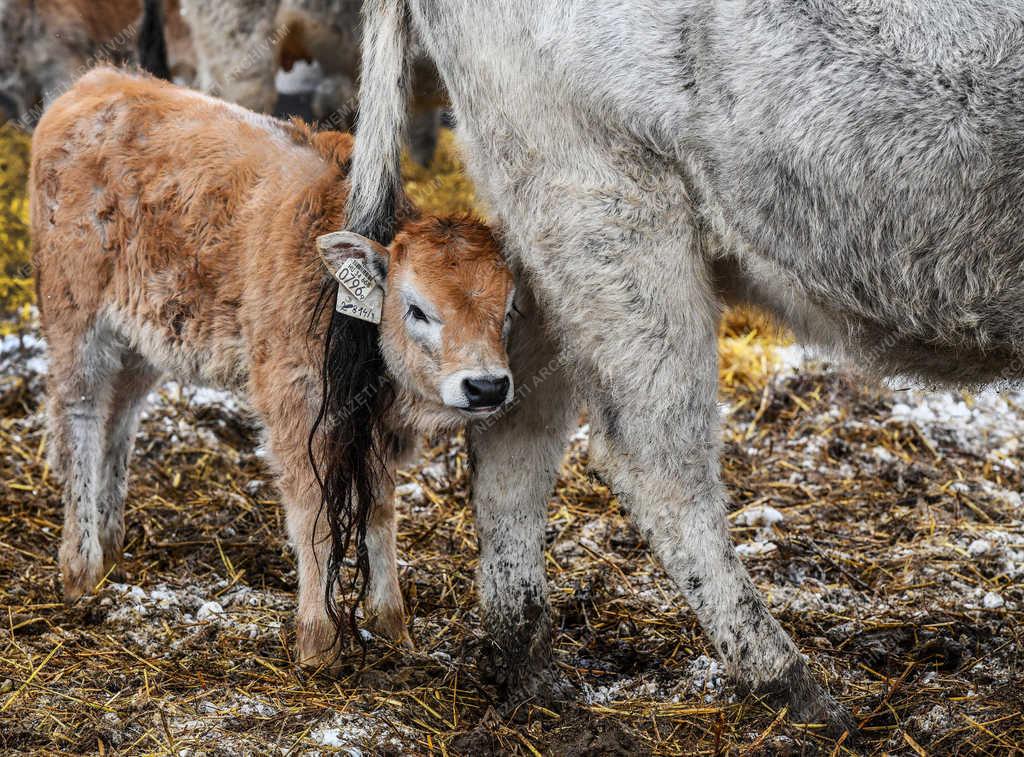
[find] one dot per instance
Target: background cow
(855, 168)
(240, 46)
(46, 44)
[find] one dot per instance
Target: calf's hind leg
(130, 386)
(82, 369)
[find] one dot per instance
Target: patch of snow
(989, 425)
(756, 548)
(884, 455)
(15, 343)
(937, 721)
(979, 547)
(707, 676)
(791, 357)
(203, 395)
(582, 434)
(1011, 498)
(412, 491)
(992, 601)
(604, 694)
(209, 611)
(23, 354)
(764, 515)
(436, 471)
(346, 731)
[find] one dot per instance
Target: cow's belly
(875, 347)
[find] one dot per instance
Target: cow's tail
(376, 181)
(152, 45)
(349, 441)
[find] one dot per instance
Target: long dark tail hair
(356, 390)
(347, 447)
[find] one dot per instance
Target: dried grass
(15, 276)
(870, 574)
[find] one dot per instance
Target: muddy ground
(884, 525)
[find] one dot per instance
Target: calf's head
(447, 307)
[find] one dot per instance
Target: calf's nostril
(486, 391)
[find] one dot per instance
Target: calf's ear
(338, 246)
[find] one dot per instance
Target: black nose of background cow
(486, 391)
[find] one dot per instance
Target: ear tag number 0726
(358, 293)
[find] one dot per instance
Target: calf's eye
(417, 314)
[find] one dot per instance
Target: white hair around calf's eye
(420, 316)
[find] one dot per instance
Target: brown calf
(177, 234)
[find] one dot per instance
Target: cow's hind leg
(82, 369)
(632, 294)
(130, 386)
(515, 461)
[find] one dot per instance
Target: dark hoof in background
(8, 109)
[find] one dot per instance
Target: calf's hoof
(317, 645)
(389, 623)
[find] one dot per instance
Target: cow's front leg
(634, 302)
(515, 461)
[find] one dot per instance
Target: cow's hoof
(543, 688)
(80, 573)
(809, 702)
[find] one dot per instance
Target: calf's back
(185, 222)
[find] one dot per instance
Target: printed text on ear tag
(368, 308)
(356, 278)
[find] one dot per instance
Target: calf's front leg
(383, 605)
(289, 412)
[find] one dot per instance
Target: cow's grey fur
(856, 166)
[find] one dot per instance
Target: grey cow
(856, 167)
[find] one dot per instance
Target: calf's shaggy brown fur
(176, 234)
